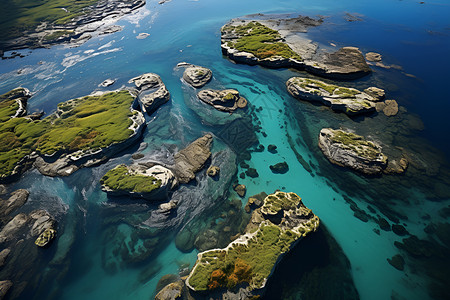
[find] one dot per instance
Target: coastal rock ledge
(350, 150)
(247, 262)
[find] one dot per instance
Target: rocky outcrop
(247, 262)
(171, 291)
(192, 159)
(5, 285)
(373, 56)
(23, 225)
(348, 100)
(152, 91)
(279, 168)
(153, 180)
(275, 43)
(138, 180)
(45, 237)
(347, 149)
(17, 199)
(240, 189)
(107, 82)
(224, 100)
(196, 76)
(388, 107)
(213, 171)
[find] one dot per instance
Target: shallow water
(409, 34)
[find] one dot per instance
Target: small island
(196, 76)
(249, 260)
(347, 149)
(348, 100)
(153, 180)
(223, 100)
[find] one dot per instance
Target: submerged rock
(223, 100)
(348, 100)
(397, 262)
(252, 172)
(152, 91)
(272, 149)
(251, 258)
(347, 149)
(196, 76)
(279, 168)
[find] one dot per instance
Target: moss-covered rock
(348, 100)
(138, 181)
(251, 258)
(81, 132)
(347, 149)
(46, 237)
(224, 100)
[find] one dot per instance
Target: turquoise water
(407, 33)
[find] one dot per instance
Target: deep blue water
(409, 34)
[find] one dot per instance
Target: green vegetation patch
(251, 263)
(314, 87)
(252, 257)
(90, 122)
(18, 16)
(120, 178)
(261, 41)
(357, 144)
(279, 201)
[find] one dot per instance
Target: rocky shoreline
(97, 18)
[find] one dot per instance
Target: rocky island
(223, 100)
(275, 43)
(152, 91)
(248, 261)
(196, 76)
(45, 23)
(82, 132)
(350, 150)
(348, 100)
(153, 180)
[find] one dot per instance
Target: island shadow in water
(316, 268)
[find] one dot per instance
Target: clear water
(407, 33)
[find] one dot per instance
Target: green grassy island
(273, 230)
(122, 178)
(87, 123)
(259, 40)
